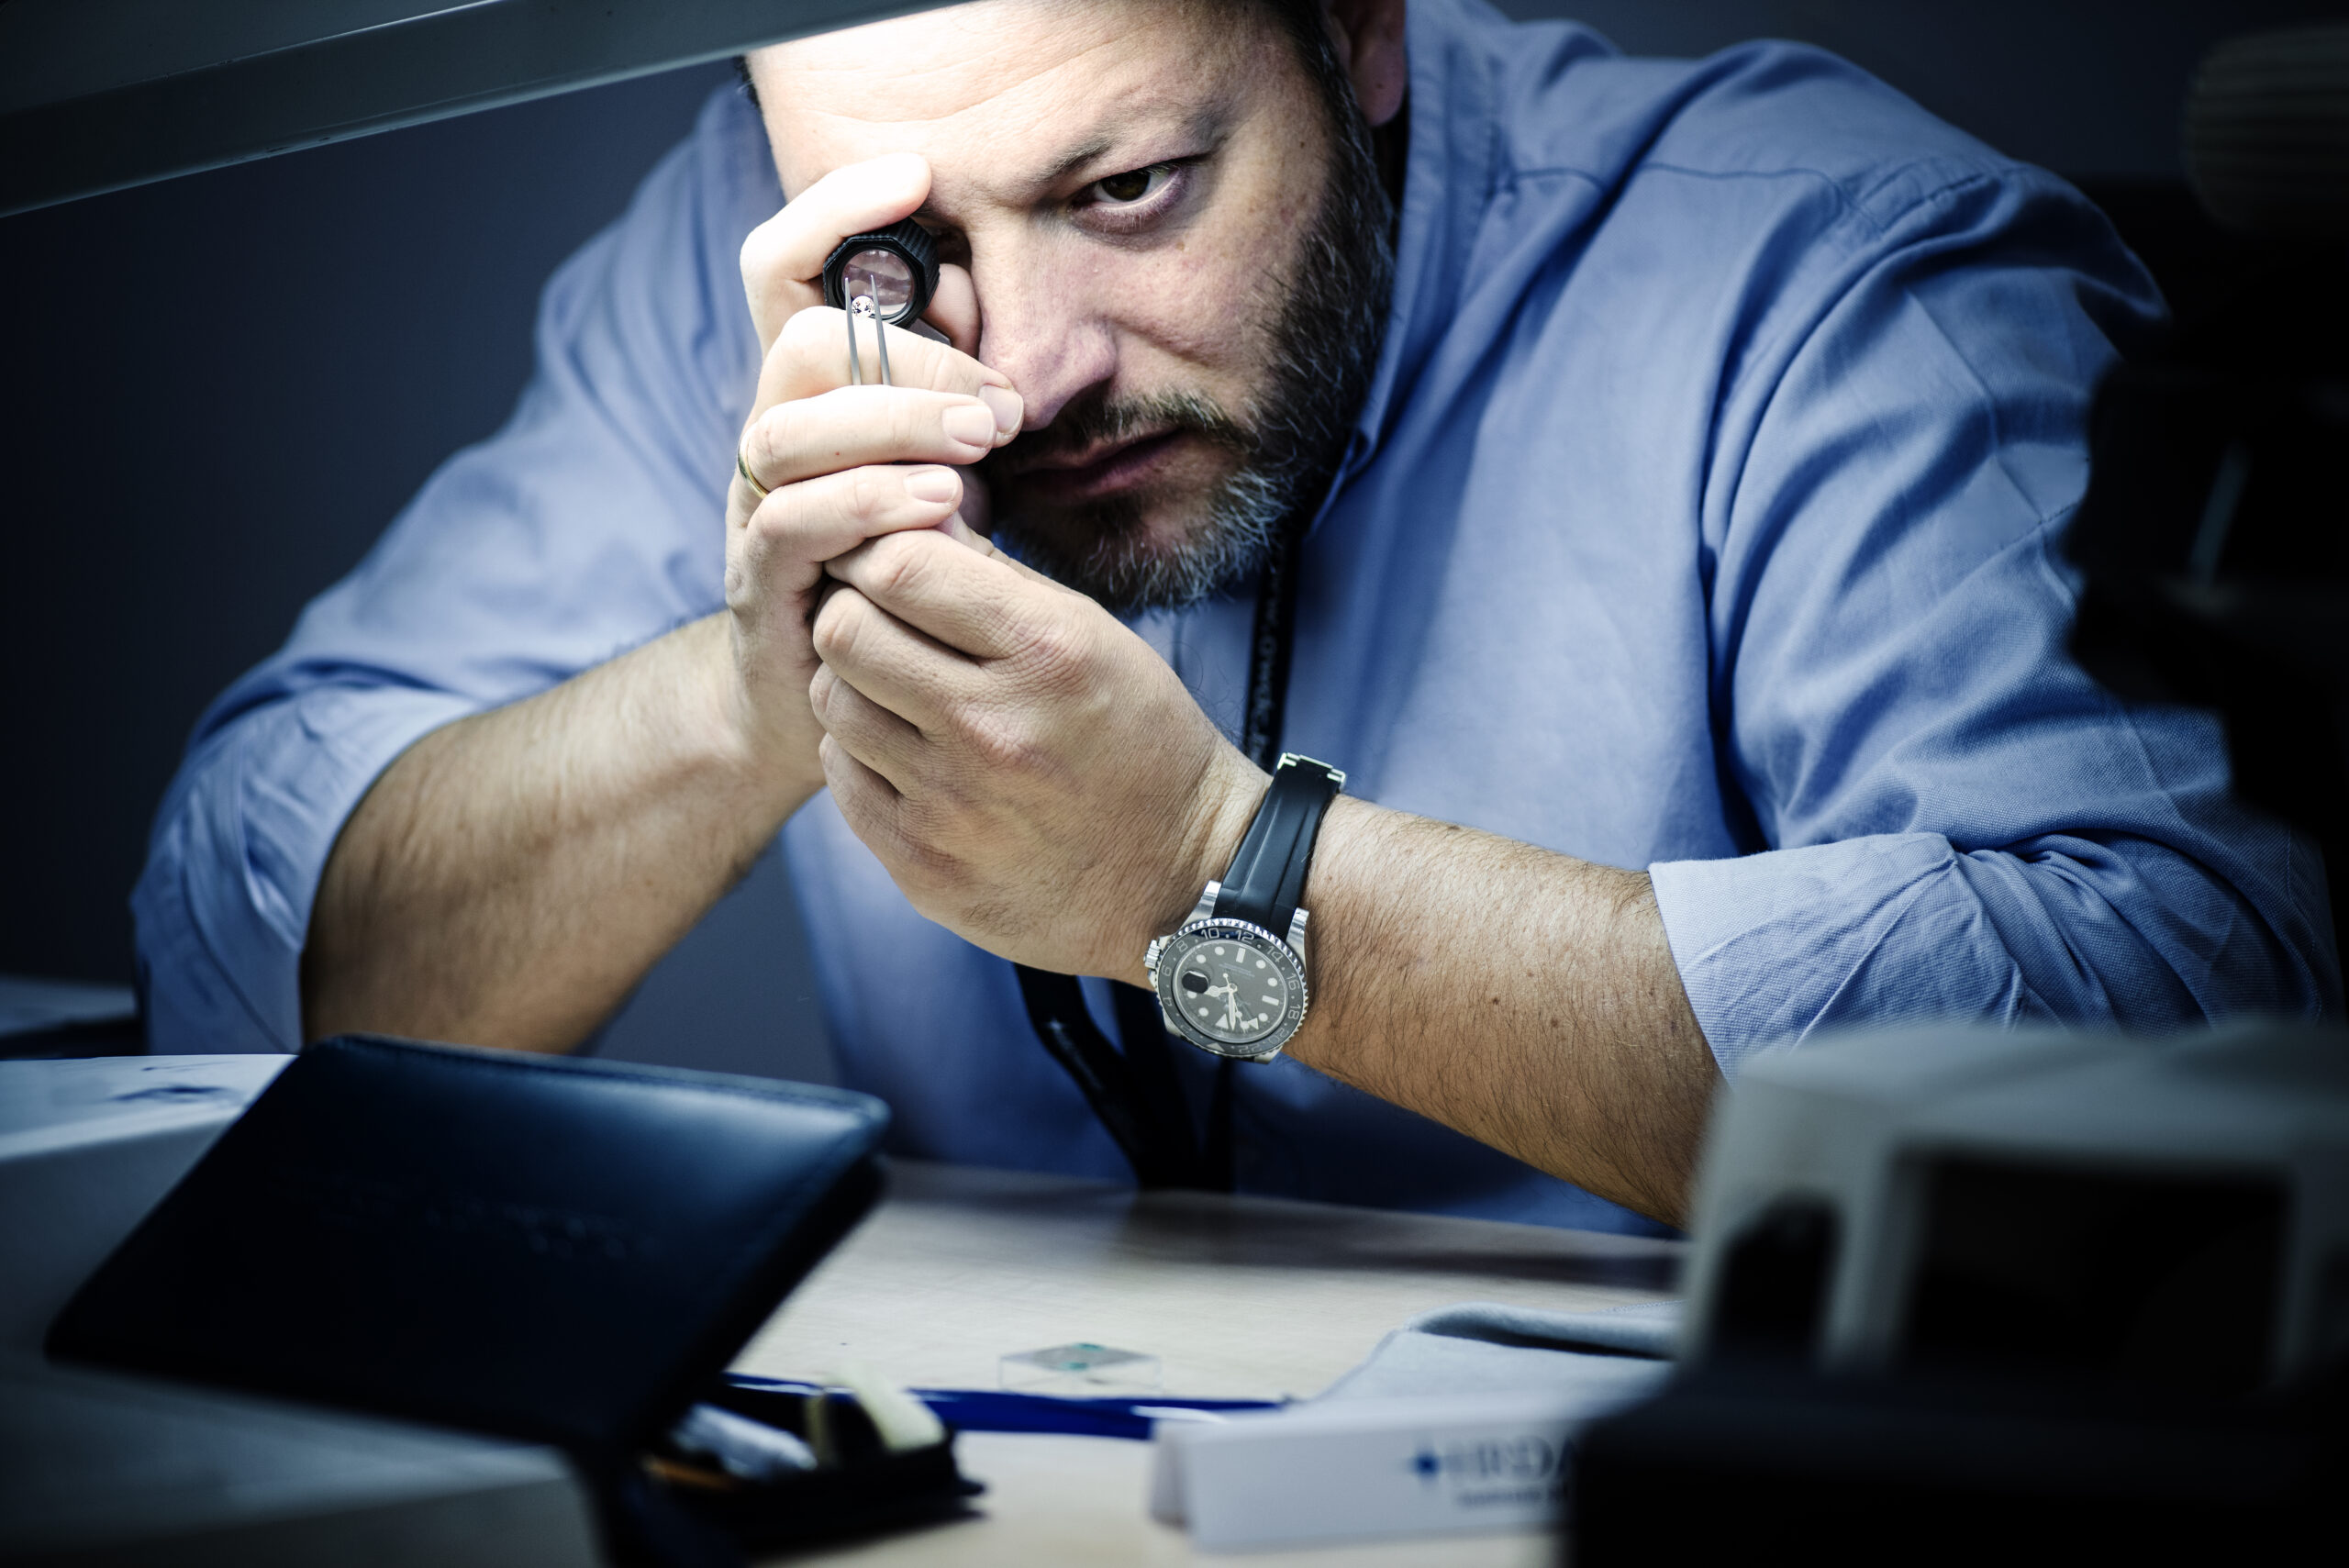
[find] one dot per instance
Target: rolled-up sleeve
(591, 523)
(1960, 823)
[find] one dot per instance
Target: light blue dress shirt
(1703, 517)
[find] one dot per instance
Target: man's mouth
(1096, 471)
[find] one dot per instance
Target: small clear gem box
(1081, 1371)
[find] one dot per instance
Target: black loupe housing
(895, 267)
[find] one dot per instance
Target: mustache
(1098, 421)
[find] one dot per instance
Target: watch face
(1235, 988)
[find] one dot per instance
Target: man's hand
(1037, 780)
(841, 463)
(1033, 774)
(513, 875)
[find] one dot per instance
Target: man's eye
(1134, 184)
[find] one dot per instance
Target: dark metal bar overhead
(98, 94)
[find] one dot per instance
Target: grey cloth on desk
(1480, 1347)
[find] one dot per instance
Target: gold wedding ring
(742, 467)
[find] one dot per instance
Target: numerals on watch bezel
(1177, 948)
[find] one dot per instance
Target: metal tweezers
(870, 307)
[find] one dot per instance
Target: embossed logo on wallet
(349, 1202)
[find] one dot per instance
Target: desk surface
(1238, 1297)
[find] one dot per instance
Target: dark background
(215, 392)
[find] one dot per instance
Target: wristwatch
(1230, 979)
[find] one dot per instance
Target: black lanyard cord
(1136, 1095)
(1268, 653)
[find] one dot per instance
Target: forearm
(1039, 782)
(1526, 998)
(513, 875)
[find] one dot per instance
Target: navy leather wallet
(565, 1251)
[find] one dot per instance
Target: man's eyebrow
(1076, 159)
(1205, 124)
(1097, 148)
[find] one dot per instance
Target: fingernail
(932, 483)
(1008, 407)
(969, 424)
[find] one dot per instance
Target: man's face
(1135, 188)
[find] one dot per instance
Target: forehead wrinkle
(956, 68)
(991, 122)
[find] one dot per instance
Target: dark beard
(1324, 346)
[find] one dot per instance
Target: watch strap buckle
(1299, 760)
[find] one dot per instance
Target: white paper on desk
(1365, 1468)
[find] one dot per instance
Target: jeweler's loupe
(887, 277)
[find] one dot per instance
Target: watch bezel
(1167, 958)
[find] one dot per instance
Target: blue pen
(997, 1410)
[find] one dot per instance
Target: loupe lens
(889, 273)
(881, 276)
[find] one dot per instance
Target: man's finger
(983, 605)
(867, 731)
(851, 426)
(892, 665)
(872, 805)
(810, 522)
(783, 260)
(811, 357)
(954, 308)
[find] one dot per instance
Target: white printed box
(1357, 1469)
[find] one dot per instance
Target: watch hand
(1239, 980)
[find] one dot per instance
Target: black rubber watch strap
(1266, 880)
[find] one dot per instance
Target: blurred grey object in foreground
(67, 1018)
(2166, 1214)
(87, 1149)
(97, 1468)
(2072, 1297)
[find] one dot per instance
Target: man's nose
(1048, 335)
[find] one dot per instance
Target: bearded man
(1641, 478)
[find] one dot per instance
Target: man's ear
(1369, 36)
